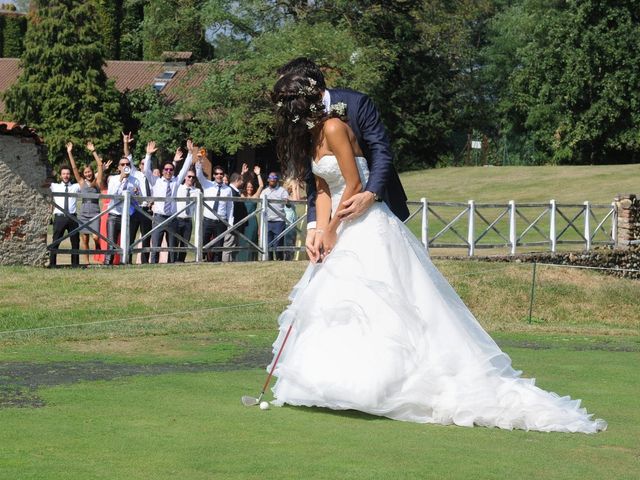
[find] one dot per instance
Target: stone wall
(24, 211)
(619, 262)
(628, 207)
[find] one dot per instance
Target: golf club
(249, 401)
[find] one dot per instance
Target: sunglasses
(219, 173)
(125, 164)
(190, 176)
(272, 178)
(168, 169)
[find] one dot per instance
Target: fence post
(587, 225)
(264, 230)
(124, 226)
(198, 225)
(614, 224)
(513, 237)
(533, 290)
(470, 230)
(425, 223)
(552, 225)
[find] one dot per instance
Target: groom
(364, 119)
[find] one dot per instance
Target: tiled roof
(129, 75)
(9, 71)
(12, 128)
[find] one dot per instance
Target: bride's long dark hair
(299, 109)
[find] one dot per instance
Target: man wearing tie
(185, 211)
(216, 212)
(165, 187)
(64, 215)
(232, 239)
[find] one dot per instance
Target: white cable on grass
(155, 315)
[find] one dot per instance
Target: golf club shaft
(275, 362)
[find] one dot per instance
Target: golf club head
(248, 401)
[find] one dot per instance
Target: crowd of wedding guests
(169, 220)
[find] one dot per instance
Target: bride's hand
(312, 244)
(328, 242)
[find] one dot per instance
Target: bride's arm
(323, 215)
(337, 137)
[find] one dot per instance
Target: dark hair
(299, 108)
(65, 167)
(304, 67)
(234, 177)
(168, 162)
(217, 167)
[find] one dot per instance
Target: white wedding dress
(377, 328)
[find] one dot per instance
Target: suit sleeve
(377, 143)
(311, 199)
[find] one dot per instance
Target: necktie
(167, 204)
(216, 202)
(66, 199)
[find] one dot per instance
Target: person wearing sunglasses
(166, 188)
(118, 184)
(185, 209)
(216, 212)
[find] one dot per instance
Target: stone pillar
(24, 210)
(628, 210)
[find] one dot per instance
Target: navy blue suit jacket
(364, 120)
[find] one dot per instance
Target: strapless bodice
(328, 169)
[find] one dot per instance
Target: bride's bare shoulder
(334, 126)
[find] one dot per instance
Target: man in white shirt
(275, 213)
(216, 212)
(231, 240)
(165, 187)
(64, 215)
(139, 221)
(117, 185)
(185, 210)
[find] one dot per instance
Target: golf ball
(264, 405)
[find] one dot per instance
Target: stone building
(24, 209)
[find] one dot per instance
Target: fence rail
(454, 225)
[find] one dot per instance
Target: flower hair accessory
(339, 109)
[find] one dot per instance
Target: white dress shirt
(60, 200)
(277, 193)
(210, 189)
(159, 185)
(180, 204)
(117, 187)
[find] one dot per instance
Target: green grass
(193, 426)
(583, 342)
(565, 184)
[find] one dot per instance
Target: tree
(131, 30)
(109, 20)
(232, 110)
(173, 25)
(14, 27)
(576, 88)
(148, 113)
(62, 90)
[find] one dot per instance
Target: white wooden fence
(454, 225)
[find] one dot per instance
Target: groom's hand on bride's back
(356, 205)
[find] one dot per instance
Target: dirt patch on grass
(19, 381)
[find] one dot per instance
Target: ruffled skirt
(377, 328)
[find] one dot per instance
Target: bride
(374, 326)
